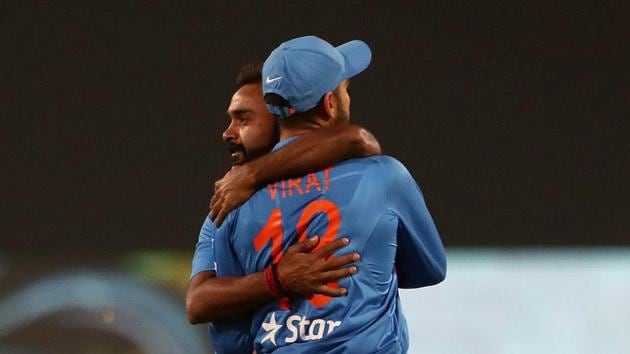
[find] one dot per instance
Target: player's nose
(229, 134)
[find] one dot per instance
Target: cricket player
(252, 132)
(372, 202)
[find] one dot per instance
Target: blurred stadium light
(144, 316)
(494, 301)
(523, 301)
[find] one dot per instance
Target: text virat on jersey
(300, 186)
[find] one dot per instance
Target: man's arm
(313, 151)
(300, 272)
(420, 256)
(208, 297)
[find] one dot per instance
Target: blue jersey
(203, 260)
(227, 338)
(376, 204)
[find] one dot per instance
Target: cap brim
(357, 56)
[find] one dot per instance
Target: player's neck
(293, 127)
(289, 133)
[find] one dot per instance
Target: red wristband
(270, 281)
(276, 276)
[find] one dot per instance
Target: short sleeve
(203, 259)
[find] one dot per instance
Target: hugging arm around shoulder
(316, 150)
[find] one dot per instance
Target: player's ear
(329, 104)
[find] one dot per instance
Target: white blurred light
(524, 301)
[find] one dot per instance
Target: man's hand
(230, 192)
(306, 273)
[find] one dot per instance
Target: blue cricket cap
(303, 69)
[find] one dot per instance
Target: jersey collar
(284, 142)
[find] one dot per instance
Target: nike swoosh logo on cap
(270, 80)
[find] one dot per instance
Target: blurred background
(513, 118)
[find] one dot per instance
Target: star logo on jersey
(272, 328)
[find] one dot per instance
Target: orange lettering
(271, 232)
(311, 181)
(334, 220)
(295, 183)
(327, 178)
(273, 190)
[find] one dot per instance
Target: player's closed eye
(242, 118)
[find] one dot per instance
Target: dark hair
(279, 101)
(249, 74)
(276, 100)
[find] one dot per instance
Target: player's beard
(343, 112)
(241, 154)
(343, 116)
(238, 154)
(262, 145)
